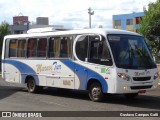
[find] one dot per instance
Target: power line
(95, 9)
(67, 13)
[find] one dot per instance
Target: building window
(117, 22)
(13, 48)
(138, 19)
(21, 48)
(129, 21)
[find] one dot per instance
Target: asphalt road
(14, 97)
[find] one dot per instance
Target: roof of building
(129, 15)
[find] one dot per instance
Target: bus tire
(131, 95)
(32, 87)
(95, 92)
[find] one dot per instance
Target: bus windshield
(130, 52)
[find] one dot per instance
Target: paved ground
(15, 97)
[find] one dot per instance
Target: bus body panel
(139, 80)
(45, 72)
(72, 73)
(50, 75)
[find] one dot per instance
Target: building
(21, 24)
(129, 22)
(20, 20)
(42, 21)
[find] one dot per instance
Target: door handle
(76, 70)
(85, 69)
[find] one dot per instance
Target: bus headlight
(124, 76)
(156, 76)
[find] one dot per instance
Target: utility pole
(90, 13)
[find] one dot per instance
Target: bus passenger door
(81, 74)
(81, 67)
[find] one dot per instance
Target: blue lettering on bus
(56, 66)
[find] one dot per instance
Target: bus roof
(73, 32)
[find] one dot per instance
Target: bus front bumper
(135, 88)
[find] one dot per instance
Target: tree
(4, 30)
(150, 28)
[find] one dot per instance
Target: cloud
(70, 13)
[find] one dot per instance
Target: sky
(70, 13)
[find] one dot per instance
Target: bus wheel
(131, 95)
(31, 85)
(95, 92)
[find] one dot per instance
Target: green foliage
(150, 27)
(4, 30)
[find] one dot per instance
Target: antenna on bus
(41, 30)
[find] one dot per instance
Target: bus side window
(21, 48)
(99, 52)
(13, 48)
(31, 47)
(42, 45)
(82, 48)
(66, 47)
(54, 46)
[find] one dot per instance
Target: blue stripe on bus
(83, 75)
(23, 68)
(82, 72)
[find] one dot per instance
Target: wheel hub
(96, 92)
(31, 85)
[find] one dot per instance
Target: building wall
(134, 17)
(21, 24)
(19, 29)
(42, 21)
(44, 26)
(20, 20)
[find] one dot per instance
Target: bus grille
(141, 78)
(141, 87)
